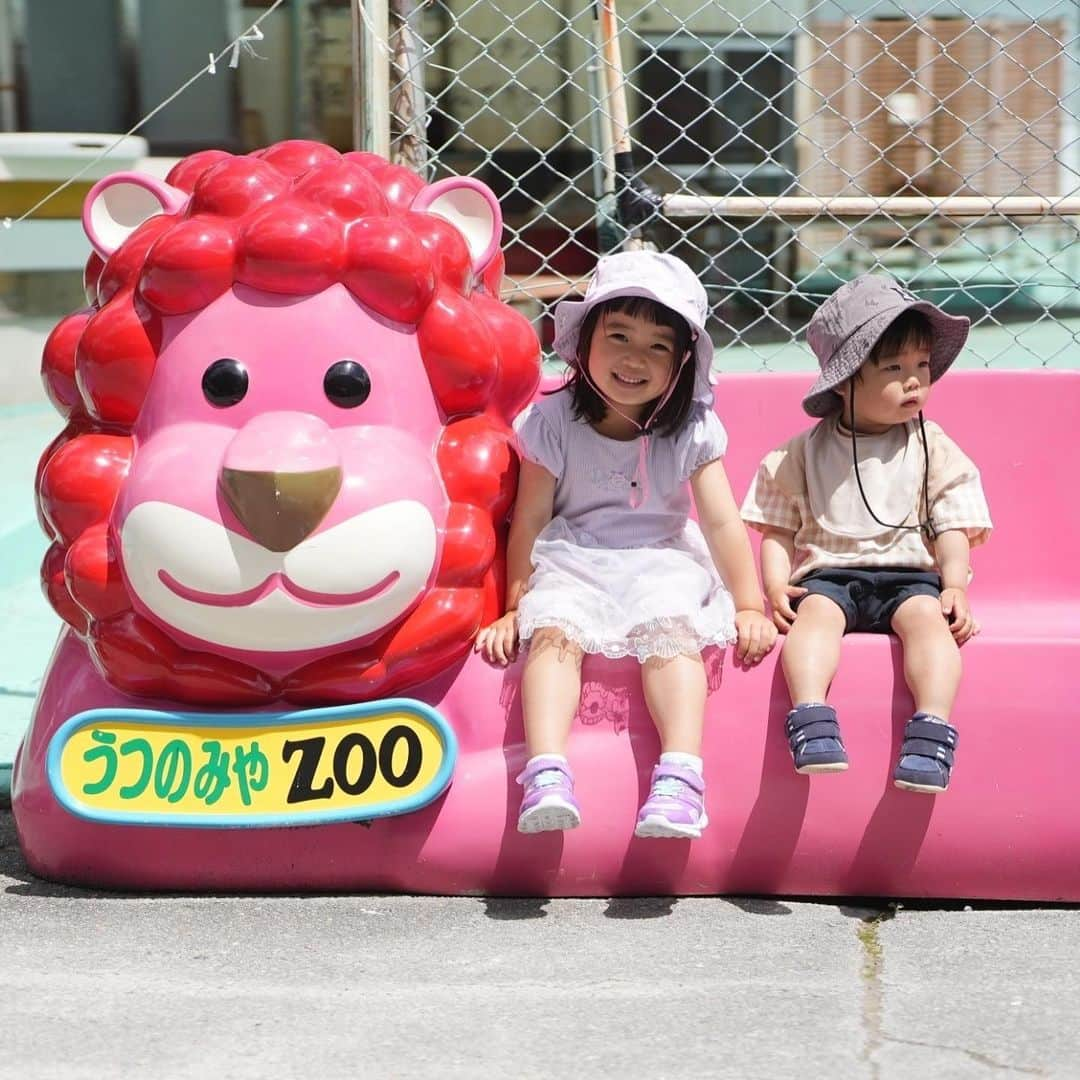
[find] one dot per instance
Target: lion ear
(119, 204)
(471, 207)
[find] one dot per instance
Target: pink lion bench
(265, 682)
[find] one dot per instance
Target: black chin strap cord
(926, 526)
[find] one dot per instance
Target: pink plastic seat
(1008, 828)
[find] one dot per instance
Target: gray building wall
(101, 65)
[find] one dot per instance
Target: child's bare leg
(675, 694)
(810, 657)
(811, 653)
(550, 691)
(932, 669)
(932, 664)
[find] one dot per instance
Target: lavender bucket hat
(848, 325)
(654, 276)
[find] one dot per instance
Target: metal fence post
(371, 76)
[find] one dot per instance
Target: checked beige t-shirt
(808, 487)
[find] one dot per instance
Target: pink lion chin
(284, 500)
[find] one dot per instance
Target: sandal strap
(679, 772)
(928, 730)
(928, 748)
(810, 714)
(540, 764)
(818, 729)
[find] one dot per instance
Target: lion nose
(279, 509)
(280, 476)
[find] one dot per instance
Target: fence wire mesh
(973, 98)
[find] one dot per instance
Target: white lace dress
(621, 569)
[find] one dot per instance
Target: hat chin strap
(639, 486)
(926, 526)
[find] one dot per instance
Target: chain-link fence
(779, 147)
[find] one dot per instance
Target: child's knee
(691, 662)
(551, 637)
(919, 614)
(821, 613)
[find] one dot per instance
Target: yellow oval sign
(348, 763)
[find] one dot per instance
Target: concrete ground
(107, 985)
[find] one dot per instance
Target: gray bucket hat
(654, 276)
(849, 324)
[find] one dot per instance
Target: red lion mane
(240, 226)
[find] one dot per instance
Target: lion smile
(197, 576)
(276, 581)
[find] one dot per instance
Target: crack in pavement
(873, 991)
(874, 1004)
(975, 1055)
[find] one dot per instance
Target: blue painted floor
(28, 626)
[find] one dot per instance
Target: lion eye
(347, 384)
(224, 383)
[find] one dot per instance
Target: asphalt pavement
(106, 985)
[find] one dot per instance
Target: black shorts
(869, 598)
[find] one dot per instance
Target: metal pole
(805, 206)
(621, 149)
(609, 234)
(408, 105)
(128, 28)
(599, 126)
(296, 69)
(371, 76)
(8, 92)
(616, 81)
(309, 42)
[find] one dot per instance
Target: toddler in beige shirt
(868, 520)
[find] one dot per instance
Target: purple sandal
(675, 806)
(548, 802)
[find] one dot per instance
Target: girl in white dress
(603, 557)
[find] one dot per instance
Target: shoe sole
(829, 766)
(548, 819)
(659, 828)
(926, 789)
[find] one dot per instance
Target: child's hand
(499, 640)
(783, 614)
(954, 606)
(756, 636)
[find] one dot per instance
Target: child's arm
(952, 549)
(729, 544)
(777, 557)
(532, 511)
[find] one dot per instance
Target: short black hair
(588, 405)
(909, 328)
